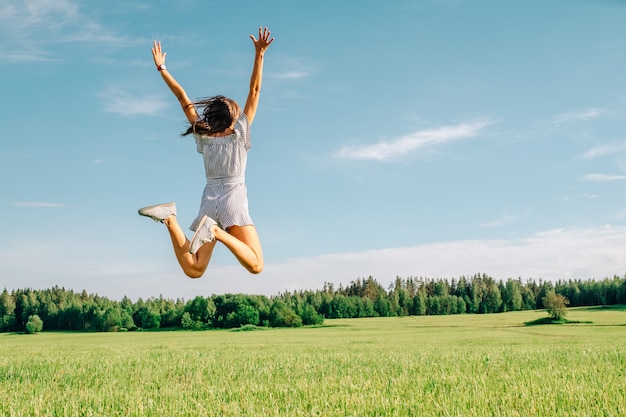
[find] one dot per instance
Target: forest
(31, 310)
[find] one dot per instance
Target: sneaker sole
(202, 221)
(143, 209)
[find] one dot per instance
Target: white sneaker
(160, 212)
(203, 234)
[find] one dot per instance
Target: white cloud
(583, 254)
(27, 56)
(120, 101)
(392, 149)
(37, 204)
(576, 197)
(289, 75)
(576, 116)
(501, 221)
(605, 150)
(37, 14)
(553, 255)
(603, 177)
(33, 25)
(290, 69)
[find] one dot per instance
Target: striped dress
(225, 197)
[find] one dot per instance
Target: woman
(222, 134)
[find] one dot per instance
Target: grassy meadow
(464, 365)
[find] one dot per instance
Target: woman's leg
(193, 265)
(244, 243)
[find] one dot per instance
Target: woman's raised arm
(159, 60)
(260, 45)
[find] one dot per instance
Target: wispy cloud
(37, 14)
(576, 197)
(120, 101)
(605, 150)
(396, 148)
(291, 69)
(575, 116)
(37, 204)
(603, 177)
(33, 25)
(26, 55)
(501, 221)
(290, 75)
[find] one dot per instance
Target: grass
(467, 365)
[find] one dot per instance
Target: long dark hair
(216, 114)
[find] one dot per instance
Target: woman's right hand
(264, 40)
(159, 59)
(157, 54)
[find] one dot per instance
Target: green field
(463, 365)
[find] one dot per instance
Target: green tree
(242, 315)
(382, 306)
(447, 304)
(314, 299)
(461, 307)
(555, 304)
(72, 317)
(476, 290)
(342, 307)
(571, 291)
(512, 296)
(25, 306)
(281, 315)
(528, 298)
(186, 321)
(150, 319)
(311, 317)
(433, 306)
(200, 309)
(542, 290)
(365, 307)
(491, 299)
(441, 288)
(372, 289)
(127, 321)
(111, 319)
(49, 314)
(34, 324)
(234, 310)
(7, 310)
(170, 311)
(419, 303)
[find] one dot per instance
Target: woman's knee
(256, 268)
(195, 265)
(194, 271)
(194, 274)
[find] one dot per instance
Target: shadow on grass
(318, 326)
(616, 307)
(550, 320)
(248, 328)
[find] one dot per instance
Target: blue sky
(400, 138)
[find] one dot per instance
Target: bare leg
(244, 243)
(193, 265)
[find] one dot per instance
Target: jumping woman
(222, 134)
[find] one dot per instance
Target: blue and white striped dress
(225, 197)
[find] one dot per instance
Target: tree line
(29, 310)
